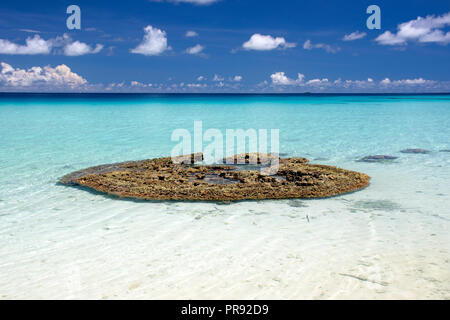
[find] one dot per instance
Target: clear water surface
(391, 240)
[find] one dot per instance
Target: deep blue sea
(60, 241)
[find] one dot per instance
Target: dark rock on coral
(162, 179)
(297, 204)
(415, 151)
(252, 158)
(377, 158)
(371, 205)
(444, 150)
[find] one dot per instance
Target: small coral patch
(164, 179)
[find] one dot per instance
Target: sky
(225, 46)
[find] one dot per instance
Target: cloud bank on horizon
(246, 59)
(62, 78)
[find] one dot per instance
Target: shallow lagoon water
(391, 240)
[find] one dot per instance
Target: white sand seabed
(379, 243)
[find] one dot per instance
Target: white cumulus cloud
(33, 45)
(191, 33)
(317, 81)
(280, 78)
(425, 30)
(197, 49)
(154, 42)
(266, 42)
(59, 76)
(37, 45)
(78, 48)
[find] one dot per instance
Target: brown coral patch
(162, 179)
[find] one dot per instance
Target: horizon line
(223, 93)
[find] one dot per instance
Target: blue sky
(225, 46)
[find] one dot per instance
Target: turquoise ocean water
(63, 242)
